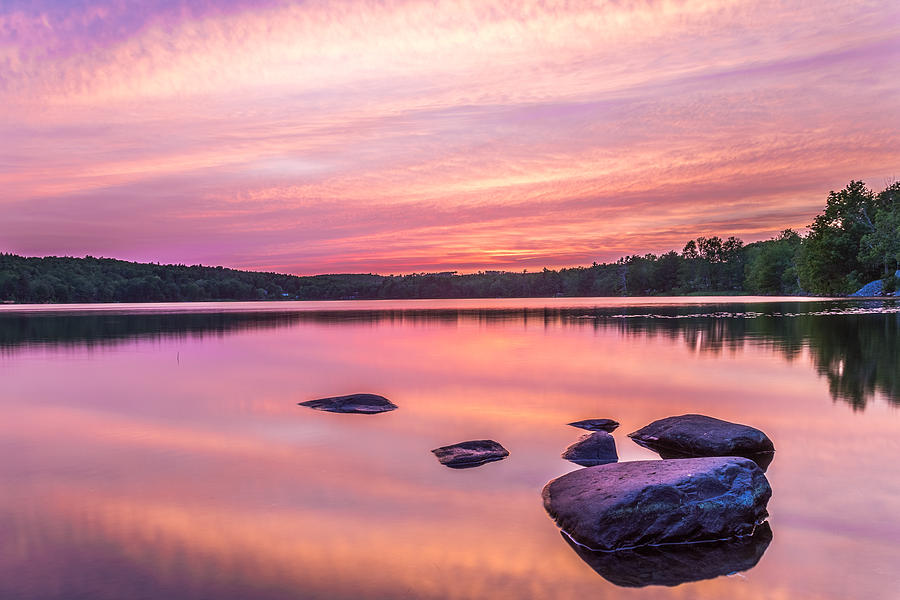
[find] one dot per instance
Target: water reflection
(105, 329)
(857, 352)
(677, 563)
(131, 473)
(851, 343)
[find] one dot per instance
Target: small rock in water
(699, 435)
(470, 454)
(598, 448)
(607, 425)
(367, 404)
(675, 564)
(651, 502)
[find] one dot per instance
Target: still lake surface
(157, 451)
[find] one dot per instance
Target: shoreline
(424, 304)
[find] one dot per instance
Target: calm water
(157, 451)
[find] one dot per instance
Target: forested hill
(856, 239)
(89, 279)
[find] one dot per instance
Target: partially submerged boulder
(675, 564)
(607, 425)
(367, 404)
(598, 448)
(631, 504)
(470, 454)
(699, 435)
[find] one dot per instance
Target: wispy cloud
(398, 136)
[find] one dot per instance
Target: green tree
(828, 262)
(880, 248)
(689, 272)
(771, 265)
(666, 272)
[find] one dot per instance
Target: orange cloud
(407, 136)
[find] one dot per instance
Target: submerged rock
(470, 454)
(699, 435)
(607, 425)
(598, 448)
(366, 404)
(675, 564)
(625, 505)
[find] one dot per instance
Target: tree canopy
(829, 261)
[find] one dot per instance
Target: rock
(875, 288)
(470, 454)
(631, 504)
(598, 448)
(699, 435)
(675, 564)
(367, 404)
(607, 425)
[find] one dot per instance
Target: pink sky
(406, 136)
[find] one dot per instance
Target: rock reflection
(678, 563)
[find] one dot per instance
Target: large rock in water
(470, 454)
(607, 425)
(598, 448)
(367, 404)
(699, 435)
(675, 564)
(625, 505)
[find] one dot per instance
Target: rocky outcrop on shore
(875, 288)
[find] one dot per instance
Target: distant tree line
(856, 239)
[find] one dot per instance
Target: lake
(157, 451)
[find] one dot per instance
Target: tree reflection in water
(855, 345)
(857, 353)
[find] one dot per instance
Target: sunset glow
(179, 465)
(395, 137)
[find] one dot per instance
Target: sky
(398, 137)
